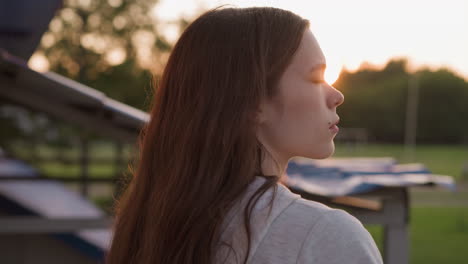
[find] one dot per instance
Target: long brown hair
(199, 152)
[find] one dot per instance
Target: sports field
(438, 217)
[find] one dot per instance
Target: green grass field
(438, 234)
(440, 159)
(61, 169)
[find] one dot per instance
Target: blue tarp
(345, 176)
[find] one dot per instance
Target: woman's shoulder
(327, 235)
(298, 229)
(312, 212)
(321, 218)
(313, 216)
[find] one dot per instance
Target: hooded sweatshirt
(294, 231)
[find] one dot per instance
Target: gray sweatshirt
(295, 231)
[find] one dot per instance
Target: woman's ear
(268, 110)
(261, 113)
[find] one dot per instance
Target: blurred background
(401, 65)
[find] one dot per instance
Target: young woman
(242, 93)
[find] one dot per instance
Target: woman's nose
(336, 97)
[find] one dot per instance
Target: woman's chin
(317, 151)
(325, 152)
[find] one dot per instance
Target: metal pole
(84, 162)
(119, 161)
(411, 116)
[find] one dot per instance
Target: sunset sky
(432, 33)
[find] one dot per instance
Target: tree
(110, 45)
(376, 100)
(443, 111)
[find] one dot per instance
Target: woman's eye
(318, 81)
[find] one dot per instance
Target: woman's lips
(334, 129)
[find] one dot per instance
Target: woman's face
(297, 121)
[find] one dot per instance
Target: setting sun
(348, 31)
(332, 73)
